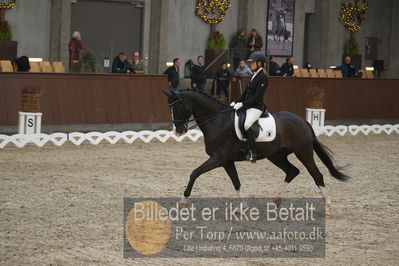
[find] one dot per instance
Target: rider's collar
(257, 71)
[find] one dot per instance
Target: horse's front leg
(212, 163)
(231, 170)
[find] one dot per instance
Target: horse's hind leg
(232, 172)
(308, 161)
(290, 170)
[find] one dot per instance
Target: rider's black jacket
(252, 97)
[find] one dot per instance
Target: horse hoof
(183, 205)
(277, 201)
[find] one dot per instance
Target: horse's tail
(325, 156)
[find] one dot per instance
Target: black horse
(294, 135)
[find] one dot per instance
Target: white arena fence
(112, 137)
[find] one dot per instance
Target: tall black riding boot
(249, 135)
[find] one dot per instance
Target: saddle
(256, 127)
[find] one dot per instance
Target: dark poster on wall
(371, 48)
(280, 27)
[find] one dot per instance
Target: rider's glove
(237, 106)
(232, 104)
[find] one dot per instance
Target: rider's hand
(232, 104)
(238, 106)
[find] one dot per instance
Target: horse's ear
(166, 93)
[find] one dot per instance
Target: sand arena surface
(64, 205)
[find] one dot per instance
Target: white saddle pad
(267, 132)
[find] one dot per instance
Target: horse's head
(180, 111)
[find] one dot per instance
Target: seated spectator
(287, 69)
(274, 68)
(173, 74)
(22, 63)
(198, 78)
(121, 65)
(137, 64)
(222, 80)
(348, 69)
(243, 70)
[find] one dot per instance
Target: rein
(211, 116)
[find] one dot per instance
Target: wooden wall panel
(345, 98)
(107, 98)
(88, 98)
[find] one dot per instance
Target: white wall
(30, 23)
(188, 34)
(328, 35)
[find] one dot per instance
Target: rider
(252, 99)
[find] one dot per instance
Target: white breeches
(253, 114)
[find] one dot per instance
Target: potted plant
(8, 48)
(5, 31)
(89, 61)
(216, 50)
(351, 48)
(216, 41)
(31, 95)
(316, 97)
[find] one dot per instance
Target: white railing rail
(112, 137)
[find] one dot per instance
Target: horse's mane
(206, 95)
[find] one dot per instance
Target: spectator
(137, 64)
(254, 42)
(287, 69)
(198, 78)
(238, 47)
(222, 80)
(121, 65)
(173, 74)
(75, 47)
(274, 68)
(243, 70)
(348, 69)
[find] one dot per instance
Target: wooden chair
(34, 67)
(338, 73)
(297, 73)
(305, 73)
(330, 73)
(58, 67)
(368, 74)
(322, 73)
(46, 67)
(313, 73)
(6, 66)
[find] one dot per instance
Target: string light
(212, 11)
(8, 5)
(352, 17)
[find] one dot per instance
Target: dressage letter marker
(29, 123)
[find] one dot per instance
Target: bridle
(188, 120)
(186, 110)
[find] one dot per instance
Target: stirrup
(251, 157)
